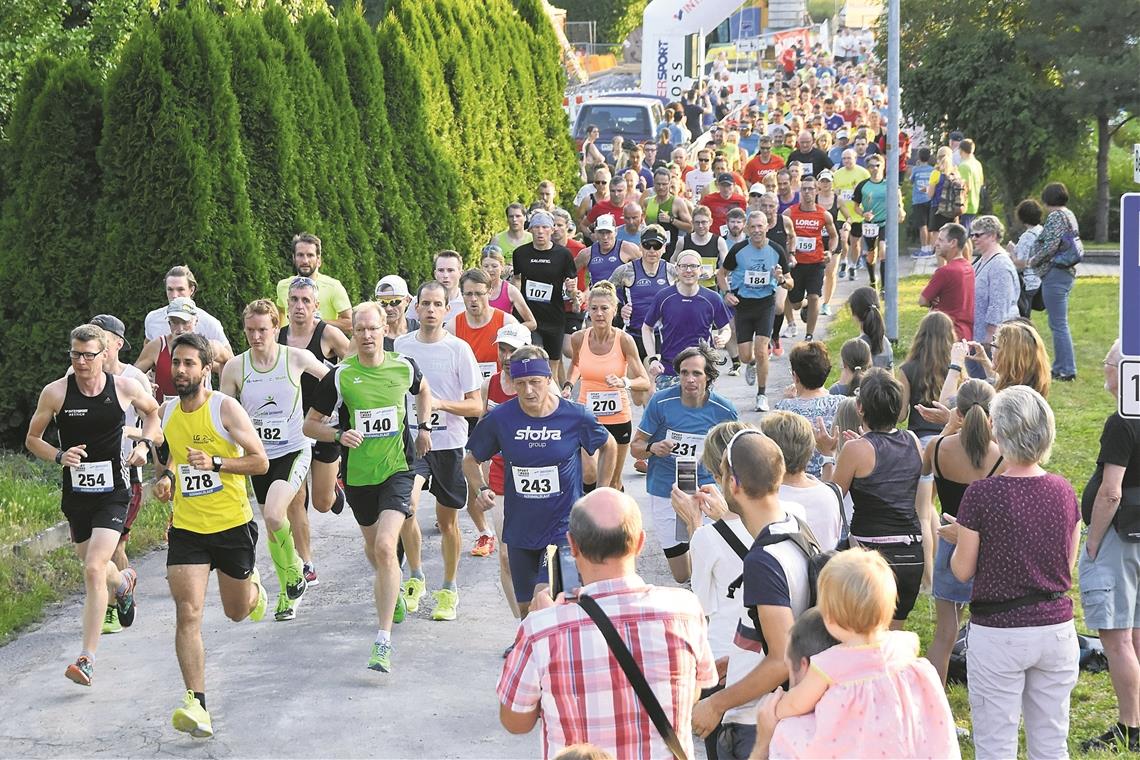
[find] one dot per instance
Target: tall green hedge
(219, 132)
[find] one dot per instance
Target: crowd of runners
(583, 336)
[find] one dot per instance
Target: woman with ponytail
(965, 453)
(868, 312)
(856, 359)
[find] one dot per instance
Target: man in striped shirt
(561, 669)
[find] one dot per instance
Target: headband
(536, 367)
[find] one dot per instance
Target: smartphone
(686, 482)
(562, 569)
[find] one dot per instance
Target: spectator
(923, 373)
(665, 631)
(775, 589)
(956, 460)
(1029, 213)
(856, 358)
(996, 287)
(944, 168)
(808, 397)
(870, 695)
(881, 470)
(1016, 536)
(1019, 358)
(865, 307)
(1110, 564)
(951, 287)
(1059, 232)
(970, 169)
(822, 502)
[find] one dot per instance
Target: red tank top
(482, 340)
(162, 375)
(495, 396)
(809, 226)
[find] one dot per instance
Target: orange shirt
(755, 169)
(482, 340)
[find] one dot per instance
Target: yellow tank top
(204, 501)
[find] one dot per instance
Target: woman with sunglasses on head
(504, 295)
(996, 285)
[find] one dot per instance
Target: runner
(780, 232)
(606, 253)
(182, 318)
(181, 283)
(395, 299)
(88, 408)
(336, 308)
(212, 447)
(813, 256)
(368, 390)
(665, 208)
(751, 274)
(711, 246)
(449, 366)
(871, 206)
(448, 267)
(503, 295)
(266, 382)
(845, 179)
(572, 306)
(478, 326)
(674, 426)
(546, 269)
(516, 233)
(540, 436)
(609, 366)
(306, 330)
(686, 314)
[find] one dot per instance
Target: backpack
(1070, 252)
(803, 538)
(952, 203)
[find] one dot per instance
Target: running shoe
(296, 588)
(790, 330)
(777, 349)
(258, 611)
(842, 269)
(446, 603)
(81, 671)
(851, 274)
(125, 602)
(735, 369)
(401, 610)
(1115, 739)
(338, 500)
(111, 622)
(192, 718)
(809, 338)
(381, 659)
(310, 571)
(412, 591)
(484, 546)
(641, 465)
(286, 608)
(761, 403)
(825, 310)
(750, 373)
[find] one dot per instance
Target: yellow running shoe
(192, 718)
(258, 611)
(446, 603)
(111, 622)
(413, 590)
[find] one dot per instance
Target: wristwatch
(217, 463)
(654, 358)
(336, 436)
(59, 456)
(827, 459)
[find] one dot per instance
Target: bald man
(670, 643)
(810, 157)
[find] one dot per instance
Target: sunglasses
(307, 282)
(977, 234)
(731, 441)
(390, 301)
(653, 246)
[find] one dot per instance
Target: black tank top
(308, 382)
(914, 421)
(884, 500)
(950, 491)
(97, 422)
(777, 233)
(709, 250)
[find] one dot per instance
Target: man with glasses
(181, 283)
(516, 233)
(182, 318)
(702, 176)
(306, 330)
(669, 211)
(478, 326)
(709, 245)
(871, 205)
(686, 314)
(336, 308)
(369, 391)
(395, 300)
(88, 408)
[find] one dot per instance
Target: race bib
(435, 419)
(269, 432)
(195, 482)
(539, 291)
(846, 195)
(92, 477)
(805, 244)
(686, 445)
(756, 278)
(708, 271)
(870, 230)
(377, 423)
(604, 403)
(536, 482)
(486, 369)
(724, 230)
(168, 399)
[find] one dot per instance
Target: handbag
(636, 678)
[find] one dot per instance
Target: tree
(616, 18)
(47, 236)
(1094, 46)
(27, 29)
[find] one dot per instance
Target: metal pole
(891, 280)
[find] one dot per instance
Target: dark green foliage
(49, 247)
(616, 18)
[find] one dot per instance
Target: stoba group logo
(529, 433)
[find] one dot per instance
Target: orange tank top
(809, 226)
(482, 340)
(609, 405)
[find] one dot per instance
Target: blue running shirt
(667, 417)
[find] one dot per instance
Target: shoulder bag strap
(636, 678)
(731, 538)
(839, 497)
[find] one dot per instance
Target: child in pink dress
(871, 695)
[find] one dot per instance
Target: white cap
(605, 222)
(515, 336)
(393, 285)
(757, 189)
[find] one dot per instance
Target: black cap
(724, 178)
(956, 135)
(113, 325)
(654, 234)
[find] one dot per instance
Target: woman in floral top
(1056, 280)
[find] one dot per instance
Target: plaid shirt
(562, 665)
